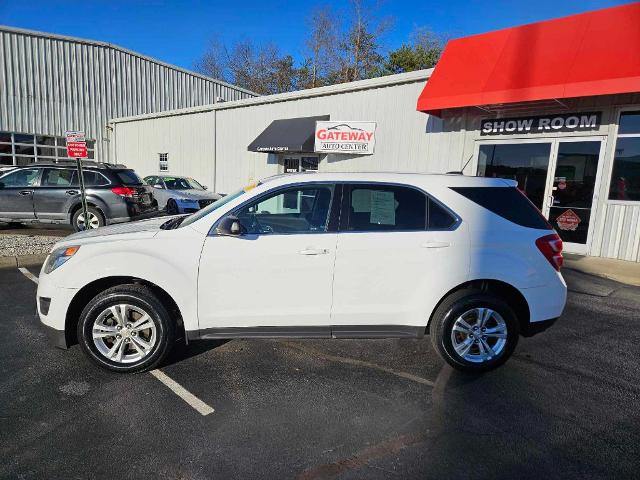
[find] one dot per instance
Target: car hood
(151, 225)
(194, 194)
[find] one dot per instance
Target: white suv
(468, 260)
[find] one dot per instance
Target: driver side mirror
(231, 227)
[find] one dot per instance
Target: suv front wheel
(126, 329)
(474, 332)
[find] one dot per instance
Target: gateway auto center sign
(355, 138)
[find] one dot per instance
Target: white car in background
(468, 260)
(180, 194)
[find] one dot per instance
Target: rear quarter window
(128, 177)
(507, 202)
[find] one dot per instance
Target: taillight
(551, 248)
(124, 191)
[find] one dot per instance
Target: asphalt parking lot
(565, 406)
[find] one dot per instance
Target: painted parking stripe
(28, 274)
(197, 404)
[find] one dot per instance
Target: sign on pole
(77, 148)
(354, 138)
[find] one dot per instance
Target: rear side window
(508, 202)
(128, 177)
(438, 217)
(91, 179)
(384, 208)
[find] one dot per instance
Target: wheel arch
(89, 291)
(90, 203)
(504, 290)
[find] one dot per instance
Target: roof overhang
(289, 135)
(594, 53)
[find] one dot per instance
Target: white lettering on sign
(542, 123)
(76, 145)
(345, 137)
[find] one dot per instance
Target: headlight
(186, 200)
(58, 257)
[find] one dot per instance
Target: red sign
(568, 220)
(76, 145)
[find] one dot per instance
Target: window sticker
(383, 208)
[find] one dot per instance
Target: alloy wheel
(124, 333)
(94, 221)
(479, 335)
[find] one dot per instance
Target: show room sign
(573, 122)
(356, 138)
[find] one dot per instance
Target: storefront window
(20, 149)
(527, 163)
(625, 178)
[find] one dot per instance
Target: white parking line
(201, 407)
(28, 274)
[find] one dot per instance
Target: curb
(22, 260)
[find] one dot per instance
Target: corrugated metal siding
(49, 85)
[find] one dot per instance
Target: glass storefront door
(572, 186)
(558, 175)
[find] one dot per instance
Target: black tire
(172, 207)
(457, 304)
(138, 296)
(94, 213)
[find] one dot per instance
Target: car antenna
(461, 171)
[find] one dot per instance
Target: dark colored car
(50, 193)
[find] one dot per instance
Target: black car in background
(50, 193)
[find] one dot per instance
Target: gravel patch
(15, 245)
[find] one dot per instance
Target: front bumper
(54, 316)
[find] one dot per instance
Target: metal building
(50, 84)
(548, 104)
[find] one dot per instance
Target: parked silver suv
(50, 193)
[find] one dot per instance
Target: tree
(321, 48)
(423, 51)
(360, 45)
(261, 69)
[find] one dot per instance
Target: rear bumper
(546, 304)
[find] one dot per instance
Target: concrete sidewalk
(618, 270)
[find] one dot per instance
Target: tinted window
(527, 163)
(295, 210)
(625, 178)
(25, 177)
(57, 177)
(385, 208)
(128, 177)
(438, 218)
(629, 123)
(508, 202)
(91, 179)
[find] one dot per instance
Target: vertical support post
(83, 195)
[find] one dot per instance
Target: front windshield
(211, 207)
(182, 183)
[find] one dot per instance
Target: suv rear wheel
(126, 329)
(95, 219)
(474, 332)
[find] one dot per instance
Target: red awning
(594, 53)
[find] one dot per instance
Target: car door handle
(71, 192)
(435, 245)
(314, 251)
(25, 192)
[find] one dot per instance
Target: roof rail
(86, 163)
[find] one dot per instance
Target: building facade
(548, 104)
(50, 84)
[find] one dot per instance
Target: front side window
(384, 208)
(302, 209)
(22, 178)
(625, 177)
